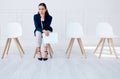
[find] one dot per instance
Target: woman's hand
(46, 32)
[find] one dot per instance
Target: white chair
(75, 31)
(105, 32)
(13, 31)
(51, 39)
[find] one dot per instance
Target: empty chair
(105, 32)
(13, 31)
(51, 39)
(75, 31)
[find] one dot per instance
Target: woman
(42, 22)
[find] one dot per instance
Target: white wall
(87, 12)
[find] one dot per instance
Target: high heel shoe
(47, 57)
(40, 57)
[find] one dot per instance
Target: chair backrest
(13, 30)
(104, 30)
(74, 30)
(51, 39)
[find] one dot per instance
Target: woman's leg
(39, 43)
(45, 52)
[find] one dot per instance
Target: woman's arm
(36, 23)
(48, 23)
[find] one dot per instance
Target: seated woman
(42, 22)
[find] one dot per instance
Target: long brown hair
(44, 5)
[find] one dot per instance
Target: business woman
(42, 21)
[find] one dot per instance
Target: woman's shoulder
(49, 17)
(36, 15)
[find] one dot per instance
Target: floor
(77, 67)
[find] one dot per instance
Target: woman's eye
(41, 9)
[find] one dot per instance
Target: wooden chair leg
(82, 47)
(101, 40)
(20, 45)
(102, 47)
(35, 53)
(113, 48)
(8, 45)
(50, 54)
(5, 48)
(108, 39)
(50, 48)
(49, 51)
(70, 47)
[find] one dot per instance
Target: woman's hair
(44, 5)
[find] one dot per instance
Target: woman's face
(42, 10)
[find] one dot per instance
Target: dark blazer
(46, 23)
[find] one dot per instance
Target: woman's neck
(42, 17)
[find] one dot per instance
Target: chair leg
(20, 45)
(50, 48)
(35, 53)
(82, 47)
(5, 48)
(102, 47)
(101, 40)
(70, 47)
(108, 39)
(50, 52)
(113, 48)
(9, 42)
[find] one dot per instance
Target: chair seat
(74, 30)
(12, 30)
